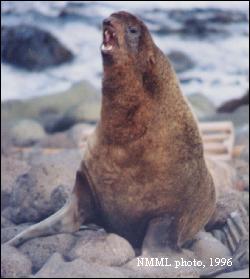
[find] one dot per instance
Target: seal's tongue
(106, 37)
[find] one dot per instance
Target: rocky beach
(51, 103)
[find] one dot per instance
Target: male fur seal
(144, 164)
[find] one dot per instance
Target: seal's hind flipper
(79, 209)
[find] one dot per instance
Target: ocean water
(221, 62)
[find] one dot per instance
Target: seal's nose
(107, 21)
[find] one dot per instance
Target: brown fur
(145, 159)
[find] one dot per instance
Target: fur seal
(144, 164)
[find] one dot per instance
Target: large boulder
(5, 223)
(206, 247)
(45, 188)
(56, 111)
(39, 249)
(201, 105)
(27, 132)
(102, 248)
(233, 104)
(165, 264)
(84, 112)
(31, 48)
(56, 267)
(13, 263)
(9, 232)
(244, 273)
(180, 61)
(239, 117)
(75, 137)
(11, 168)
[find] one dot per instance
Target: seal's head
(125, 38)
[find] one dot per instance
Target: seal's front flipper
(160, 236)
(79, 209)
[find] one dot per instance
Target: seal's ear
(151, 59)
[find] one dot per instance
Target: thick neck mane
(126, 107)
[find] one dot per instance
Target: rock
(38, 250)
(31, 48)
(75, 137)
(152, 266)
(244, 273)
(58, 140)
(206, 246)
(219, 234)
(49, 110)
(5, 223)
(196, 22)
(27, 132)
(232, 105)
(13, 263)
(242, 174)
(239, 117)
(45, 188)
(56, 267)
(227, 203)
(10, 168)
(102, 248)
(11, 231)
(79, 103)
(6, 143)
(180, 61)
(61, 158)
(85, 112)
(224, 175)
(201, 105)
(245, 198)
(80, 133)
(49, 117)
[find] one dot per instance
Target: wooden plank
(218, 139)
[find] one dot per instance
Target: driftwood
(218, 139)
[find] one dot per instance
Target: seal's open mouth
(109, 39)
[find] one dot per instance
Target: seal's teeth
(106, 47)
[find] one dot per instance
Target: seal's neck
(125, 108)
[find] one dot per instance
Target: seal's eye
(133, 29)
(132, 37)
